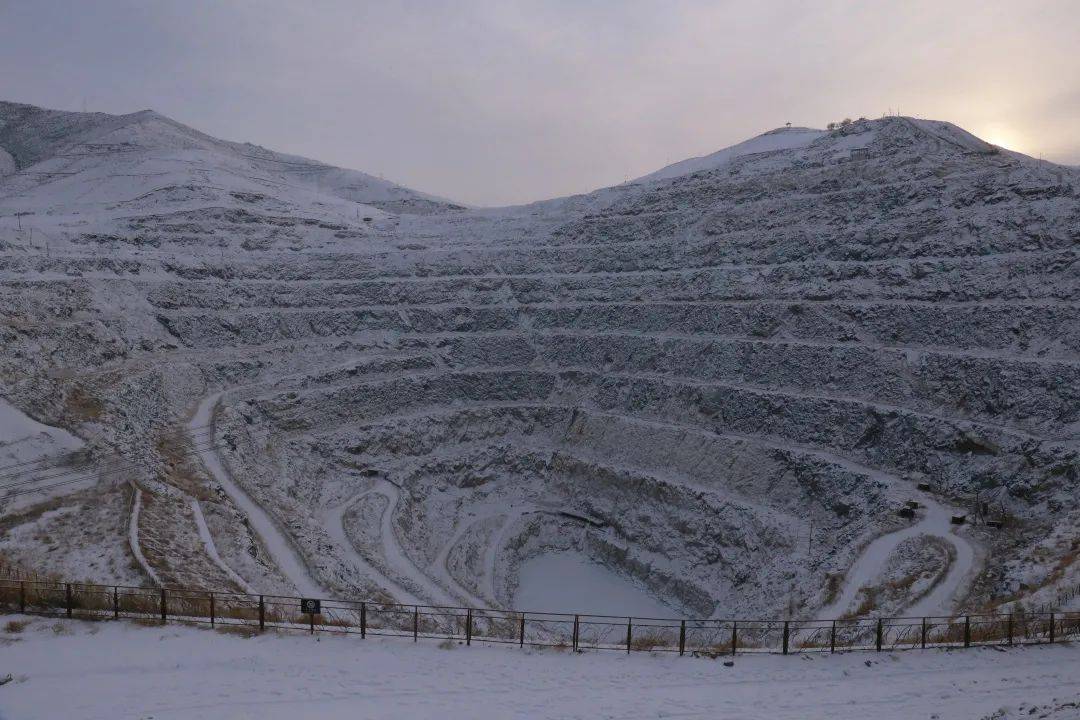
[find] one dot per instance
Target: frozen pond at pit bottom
(571, 583)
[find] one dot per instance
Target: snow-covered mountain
(786, 138)
(147, 174)
(715, 385)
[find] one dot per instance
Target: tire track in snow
(443, 569)
(133, 536)
(211, 548)
(276, 542)
(395, 554)
(498, 540)
(334, 524)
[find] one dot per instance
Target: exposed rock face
(678, 376)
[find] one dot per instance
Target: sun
(1003, 136)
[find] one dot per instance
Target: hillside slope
(719, 382)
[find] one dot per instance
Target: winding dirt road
(334, 524)
(867, 569)
(276, 542)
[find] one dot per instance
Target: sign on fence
(311, 606)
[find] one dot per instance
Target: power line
(114, 466)
(194, 446)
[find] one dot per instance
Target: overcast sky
(504, 102)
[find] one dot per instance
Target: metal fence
(534, 629)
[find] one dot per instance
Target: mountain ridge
(775, 140)
(402, 398)
(152, 131)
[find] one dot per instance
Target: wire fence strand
(682, 636)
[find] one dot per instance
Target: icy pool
(571, 583)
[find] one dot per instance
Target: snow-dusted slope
(24, 441)
(719, 383)
(130, 179)
(774, 141)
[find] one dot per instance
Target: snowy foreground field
(116, 671)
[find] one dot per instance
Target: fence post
(116, 602)
(22, 596)
(468, 626)
(967, 631)
(311, 619)
(415, 623)
(164, 608)
(1051, 627)
(629, 633)
(262, 613)
(734, 635)
(67, 592)
(574, 640)
(786, 635)
(363, 620)
(1009, 624)
(923, 643)
(832, 638)
(212, 609)
(879, 633)
(521, 632)
(682, 637)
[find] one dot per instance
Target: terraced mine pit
(706, 392)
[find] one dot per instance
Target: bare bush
(15, 626)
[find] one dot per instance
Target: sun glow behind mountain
(1005, 136)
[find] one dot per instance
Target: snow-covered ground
(121, 671)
